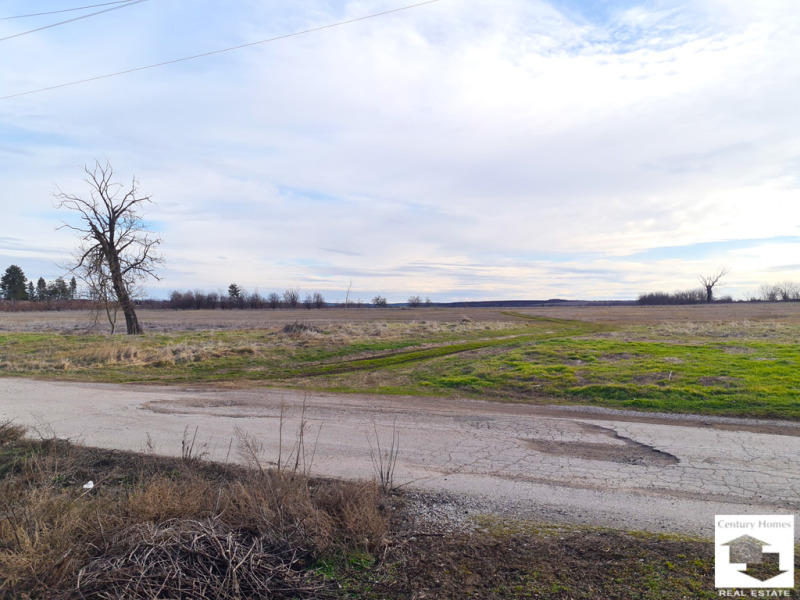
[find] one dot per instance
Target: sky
(457, 150)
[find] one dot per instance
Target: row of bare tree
(785, 291)
(704, 294)
(695, 296)
(238, 298)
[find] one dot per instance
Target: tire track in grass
(569, 328)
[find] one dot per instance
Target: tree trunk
(131, 321)
(120, 289)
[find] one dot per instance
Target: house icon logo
(754, 551)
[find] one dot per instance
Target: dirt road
(612, 468)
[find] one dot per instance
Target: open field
(172, 320)
(515, 498)
(733, 359)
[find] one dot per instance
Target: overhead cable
(55, 12)
(213, 52)
(99, 12)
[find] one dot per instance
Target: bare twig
(384, 461)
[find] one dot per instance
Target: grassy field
(736, 359)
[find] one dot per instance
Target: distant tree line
(15, 286)
(702, 295)
(695, 296)
(785, 291)
(238, 298)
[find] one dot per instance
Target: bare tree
(116, 249)
(710, 281)
(414, 301)
(273, 300)
(768, 292)
(291, 298)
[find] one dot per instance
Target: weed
(188, 453)
(384, 460)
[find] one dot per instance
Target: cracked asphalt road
(660, 473)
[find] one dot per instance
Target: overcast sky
(464, 149)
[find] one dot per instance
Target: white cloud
(425, 149)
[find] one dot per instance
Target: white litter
(88, 485)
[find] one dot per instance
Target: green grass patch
(748, 369)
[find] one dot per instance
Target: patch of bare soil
(620, 449)
(572, 565)
(720, 381)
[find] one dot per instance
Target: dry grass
(213, 320)
(745, 329)
(11, 433)
(67, 355)
(154, 527)
(75, 321)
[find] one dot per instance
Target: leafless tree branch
(116, 249)
(711, 281)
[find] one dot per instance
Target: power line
(99, 12)
(213, 52)
(55, 12)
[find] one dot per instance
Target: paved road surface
(613, 468)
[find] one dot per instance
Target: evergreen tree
(12, 284)
(58, 290)
(41, 290)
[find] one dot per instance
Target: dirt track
(613, 468)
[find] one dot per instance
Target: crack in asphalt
(630, 452)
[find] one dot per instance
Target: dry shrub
(280, 503)
(43, 535)
(10, 433)
(201, 560)
(161, 498)
(358, 511)
(199, 532)
(299, 327)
